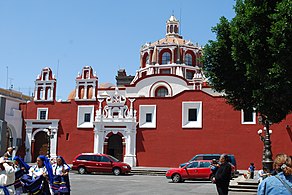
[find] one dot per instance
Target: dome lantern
(172, 27)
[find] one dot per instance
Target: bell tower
(45, 86)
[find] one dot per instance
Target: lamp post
(267, 151)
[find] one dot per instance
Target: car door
(105, 164)
(88, 162)
(204, 170)
(192, 170)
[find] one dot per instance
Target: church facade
(163, 117)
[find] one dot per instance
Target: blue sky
(66, 35)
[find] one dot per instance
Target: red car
(194, 170)
(89, 162)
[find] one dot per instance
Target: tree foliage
(251, 58)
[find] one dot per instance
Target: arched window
(188, 59)
(161, 92)
(165, 58)
(147, 59)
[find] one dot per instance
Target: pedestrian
(8, 154)
(7, 176)
(251, 169)
(214, 167)
(61, 184)
(39, 177)
(262, 174)
(223, 175)
(281, 183)
(21, 169)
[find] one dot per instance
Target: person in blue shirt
(251, 170)
(281, 183)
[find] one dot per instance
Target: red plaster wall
(169, 145)
(80, 139)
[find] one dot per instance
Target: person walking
(21, 169)
(281, 183)
(7, 176)
(61, 184)
(39, 178)
(251, 169)
(223, 175)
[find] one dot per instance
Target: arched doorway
(115, 146)
(40, 145)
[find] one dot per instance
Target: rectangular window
(148, 117)
(43, 114)
(248, 117)
(87, 117)
(193, 114)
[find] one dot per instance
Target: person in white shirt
(39, 178)
(61, 184)
(7, 176)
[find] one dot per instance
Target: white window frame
(253, 118)
(143, 110)
(185, 111)
(39, 113)
(80, 116)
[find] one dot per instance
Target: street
(138, 184)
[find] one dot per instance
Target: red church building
(163, 117)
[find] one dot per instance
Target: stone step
(244, 186)
(253, 183)
(243, 190)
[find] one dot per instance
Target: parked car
(90, 162)
(194, 170)
(214, 156)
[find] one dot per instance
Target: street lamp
(265, 138)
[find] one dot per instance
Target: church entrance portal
(40, 145)
(115, 146)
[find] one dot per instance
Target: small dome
(172, 19)
(71, 95)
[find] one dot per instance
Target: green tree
(251, 58)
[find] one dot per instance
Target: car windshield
(113, 158)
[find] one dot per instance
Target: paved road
(138, 185)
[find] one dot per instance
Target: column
(36, 92)
(93, 91)
(172, 55)
(52, 92)
(98, 140)
(77, 91)
(85, 91)
(54, 141)
(130, 156)
(28, 138)
(44, 93)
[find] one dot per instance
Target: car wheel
(117, 171)
(81, 170)
(176, 178)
